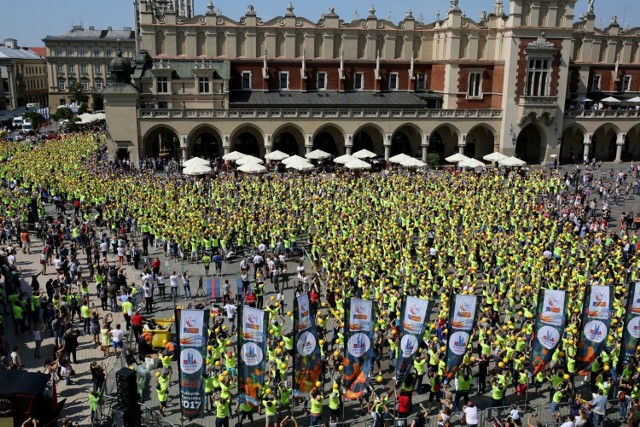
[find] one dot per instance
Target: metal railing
(603, 114)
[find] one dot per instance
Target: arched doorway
(248, 140)
(205, 143)
(443, 141)
(529, 144)
(604, 143)
(631, 150)
(406, 140)
(369, 138)
(329, 139)
(289, 139)
(572, 145)
(480, 142)
(162, 142)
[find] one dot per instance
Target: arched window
(201, 44)
(380, 45)
(543, 19)
(181, 43)
(526, 14)
(260, 45)
(397, 54)
(221, 44)
(417, 47)
(337, 45)
(299, 45)
(577, 49)
(482, 47)
(160, 43)
(318, 46)
(464, 46)
(280, 51)
(241, 44)
(362, 46)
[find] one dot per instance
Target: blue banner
(358, 348)
(631, 333)
(307, 359)
(462, 319)
(415, 315)
(192, 336)
(252, 351)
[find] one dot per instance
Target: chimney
(109, 28)
(91, 28)
(77, 28)
(11, 43)
(126, 29)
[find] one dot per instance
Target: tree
(63, 113)
(78, 94)
(36, 119)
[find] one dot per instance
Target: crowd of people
(502, 235)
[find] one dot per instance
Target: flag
(307, 360)
(415, 315)
(462, 318)
(631, 332)
(215, 289)
(359, 323)
(192, 336)
(595, 320)
(549, 326)
(252, 348)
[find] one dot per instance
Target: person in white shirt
(569, 422)
(173, 282)
(471, 414)
(231, 309)
(116, 338)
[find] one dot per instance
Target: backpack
(74, 302)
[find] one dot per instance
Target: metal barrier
(485, 415)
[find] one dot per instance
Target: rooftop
(78, 32)
(18, 53)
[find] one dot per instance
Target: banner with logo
(462, 318)
(596, 320)
(549, 327)
(252, 345)
(631, 333)
(192, 336)
(359, 324)
(307, 360)
(415, 315)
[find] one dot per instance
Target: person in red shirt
(137, 322)
(252, 298)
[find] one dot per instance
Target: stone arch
(417, 47)
(398, 48)
(241, 44)
(299, 45)
(362, 46)
(531, 144)
(526, 14)
(248, 139)
(289, 138)
(201, 44)
(280, 48)
(572, 144)
(181, 43)
(318, 46)
(407, 139)
(604, 142)
(161, 47)
(370, 137)
(464, 46)
(543, 17)
(162, 141)
(380, 44)
(260, 44)
(331, 139)
(337, 45)
(481, 140)
(205, 141)
(482, 47)
(443, 141)
(631, 149)
(221, 44)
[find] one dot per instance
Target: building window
(61, 84)
(595, 83)
(162, 85)
(246, 80)
(69, 51)
(203, 85)
(81, 51)
(84, 68)
(63, 101)
(107, 52)
(358, 81)
(283, 78)
(393, 81)
(98, 85)
(70, 68)
(96, 52)
(60, 68)
(626, 83)
(538, 77)
(85, 84)
(109, 81)
(97, 68)
(421, 81)
(475, 84)
(321, 83)
(59, 51)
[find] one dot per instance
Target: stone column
(349, 143)
(13, 87)
(268, 145)
(226, 144)
(588, 137)
(308, 145)
(462, 142)
(425, 146)
(619, 145)
(387, 147)
(184, 147)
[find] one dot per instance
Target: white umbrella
(317, 155)
(276, 155)
(345, 158)
(249, 159)
(364, 154)
(610, 100)
(494, 157)
(196, 161)
(635, 99)
(357, 164)
(399, 158)
(511, 162)
(456, 158)
(300, 165)
(252, 167)
(583, 98)
(233, 156)
(196, 169)
(413, 163)
(471, 163)
(293, 159)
